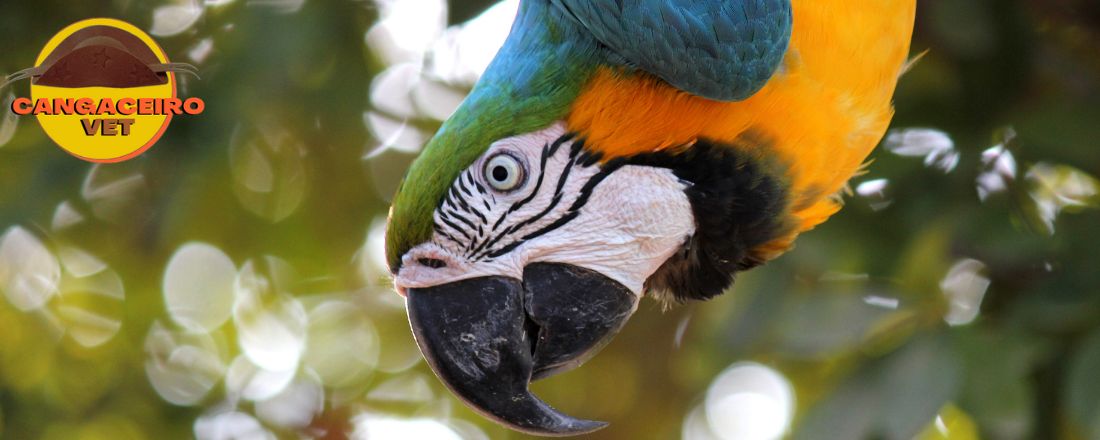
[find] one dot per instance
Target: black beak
(487, 338)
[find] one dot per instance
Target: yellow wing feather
(821, 114)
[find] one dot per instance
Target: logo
(103, 90)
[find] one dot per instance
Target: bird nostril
(432, 263)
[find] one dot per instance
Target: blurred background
(230, 283)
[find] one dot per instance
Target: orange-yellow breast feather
(821, 114)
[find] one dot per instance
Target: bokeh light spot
(116, 193)
(65, 216)
(182, 366)
(749, 401)
(296, 405)
(29, 272)
(271, 325)
(230, 426)
(380, 427)
(1058, 188)
(464, 51)
(343, 344)
(8, 120)
(935, 146)
(175, 18)
(406, 28)
(998, 171)
(251, 382)
(268, 169)
(964, 286)
(198, 286)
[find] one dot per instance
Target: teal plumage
(722, 50)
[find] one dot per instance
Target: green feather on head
(531, 83)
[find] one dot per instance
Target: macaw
(615, 149)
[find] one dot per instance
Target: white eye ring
(504, 172)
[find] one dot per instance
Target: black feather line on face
(444, 234)
(455, 227)
(451, 207)
(595, 180)
(467, 179)
(562, 179)
(589, 158)
(458, 204)
(455, 215)
(482, 248)
(571, 213)
(538, 185)
(561, 141)
(466, 207)
(552, 226)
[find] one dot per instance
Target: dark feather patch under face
(739, 204)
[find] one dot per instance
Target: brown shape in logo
(101, 56)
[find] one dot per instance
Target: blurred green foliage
(871, 318)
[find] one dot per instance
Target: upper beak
(487, 338)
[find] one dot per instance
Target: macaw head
(597, 160)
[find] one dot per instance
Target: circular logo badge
(104, 91)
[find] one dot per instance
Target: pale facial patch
(621, 221)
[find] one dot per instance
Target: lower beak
(487, 338)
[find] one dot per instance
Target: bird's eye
(504, 172)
